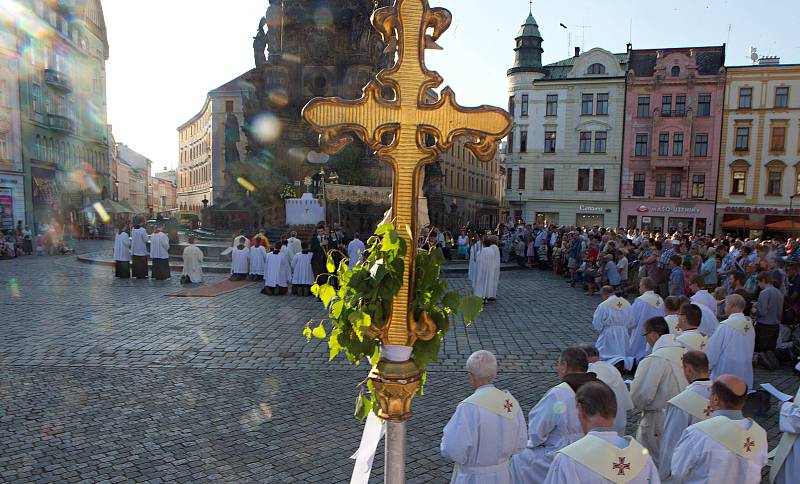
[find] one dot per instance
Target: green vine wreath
(359, 300)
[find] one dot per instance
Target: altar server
(139, 251)
(276, 273)
(648, 305)
(485, 286)
(240, 262)
(122, 254)
(302, 272)
(610, 376)
(613, 318)
(159, 253)
(474, 252)
(257, 260)
(730, 349)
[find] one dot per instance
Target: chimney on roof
(577, 51)
(629, 47)
(768, 61)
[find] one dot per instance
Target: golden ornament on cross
(408, 28)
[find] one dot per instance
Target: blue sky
(166, 55)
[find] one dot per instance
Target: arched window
(596, 68)
(676, 71)
(39, 153)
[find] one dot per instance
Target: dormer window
(596, 68)
(676, 71)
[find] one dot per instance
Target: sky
(165, 55)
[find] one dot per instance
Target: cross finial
(531, 7)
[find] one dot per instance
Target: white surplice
(704, 298)
(676, 422)
(276, 270)
(613, 319)
(354, 250)
(481, 442)
(789, 423)
(258, 259)
(610, 376)
(709, 322)
(295, 247)
(122, 247)
(240, 260)
(566, 470)
(658, 378)
(302, 272)
(552, 425)
(648, 305)
(139, 242)
(474, 251)
(730, 351)
(486, 279)
(159, 246)
(193, 263)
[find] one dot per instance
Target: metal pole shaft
(395, 461)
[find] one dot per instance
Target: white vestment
(193, 263)
(474, 251)
(354, 250)
(699, 458)
(787, 455)
(566, 470)
(122, 247)
(610, 376)
(276, 270)
(658, 378)
(302, 273)
(679, 419)
(693, 340)
(552, 425)
(485, 285)
(240, 261)
(672, 322)
(709, 322)
(258, 258)
(481, 441)
(294, 246)
(159, 246)
(613, 318)
(704, 298)
(730, 349)
(139, 241)
(242, 239)
(648, 305)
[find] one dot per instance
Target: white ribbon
(374, 429)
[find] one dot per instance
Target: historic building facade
(563, 155)
(134, 182)
(12, 180)
(673, 121)
(760, 166)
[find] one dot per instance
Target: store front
(547, 218)
(12, 201)
(758, 221)
(685, 217)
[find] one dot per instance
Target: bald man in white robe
(730, 349)
(648, 305)
(613, 319)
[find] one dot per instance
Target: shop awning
(741, 224)
(784, 226)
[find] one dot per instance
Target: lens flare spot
(645, 452)
(253, 419)
(101, 211)
(559, 408)
(279, 98)
(245, 183)
(298, 154)
(266, 127)
(13, 288)
(291, 58)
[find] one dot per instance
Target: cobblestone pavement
(108, 380)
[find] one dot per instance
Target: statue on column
(274, 21)
(232, 138)
(260, 44)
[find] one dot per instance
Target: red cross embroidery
(621, 466)
(508, 406)
(746, 329)
(748, 444)
(708, 410)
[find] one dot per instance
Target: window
(510, 146)
(228, 106)
(509, 175)
(521, 179)
(524, 110)
(781, 97)
(643, 107)
(698, 186)
(676, 71)
(552, 105)
(661, 185)
(36, 100)
(641, 145)
(701, 145)
(663, 144)
(549, 179)
(680, 105)
(742, 139)
(3, 154)
(587, 100)
(600, 141)
(778, 139)
(598, 180)
(675, 186)
(774, 183)
(549, 141)
(586, 142)
(523, 140)
(797, 185)
(602, 104)
(583, 179)
(704, 105)
(745, 97)
(677, 144)
(638, 184)
(511, 105)
(666, 105)
(739, 178)
(596, 68)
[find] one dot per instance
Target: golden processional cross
(410, 27)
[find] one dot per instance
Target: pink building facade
(673, 124)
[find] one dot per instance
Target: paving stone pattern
(103, 380)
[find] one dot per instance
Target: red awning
(784, 226)
(741, 224)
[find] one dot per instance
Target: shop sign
(646, 220)
(584, 208)
(645, 209)
(762, 210)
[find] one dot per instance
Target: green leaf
(471, 307)
(451, 301)
(319, 332)
(326, 293)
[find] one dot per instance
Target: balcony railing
(57, 79)
(61, 123)
(673, 113)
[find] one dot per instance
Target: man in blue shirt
(677, 279)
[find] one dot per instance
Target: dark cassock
(122, 255)
(139, 252)
(159, 252)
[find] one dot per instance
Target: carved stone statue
(260, 44)
(232, 137)
(274, 20)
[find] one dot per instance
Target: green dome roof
(530, 28)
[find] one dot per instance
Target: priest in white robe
(355, 249)
(240, 262)
(610, 376)
(601, 456)
(257, 260)
(701, 296)
(486, 429)
(474, 252)
(485, 286)
(294, 245)
(686, 408)
(708, 321)
(159, 253)
(648, 305)
(658, 378)
(786, 464)
(122, 254)
(726, 448)
(613, 319)
(691, 337)
(553, 423)
(302, 272)
(192, 263)
(730, 349)
(672, 307)
(277, 273)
